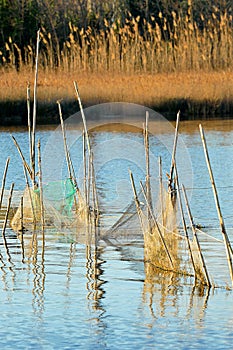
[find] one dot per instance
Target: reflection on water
(94, 272)
(103, 291)
(170, 286)
(76, 292)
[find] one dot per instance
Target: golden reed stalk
(178, 46)
(181, 60)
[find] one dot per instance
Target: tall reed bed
(138, 46)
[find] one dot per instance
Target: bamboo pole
(183, 220)
(171, 175)
(92, 170)
(22, 227)
(31, 164)
(32, 205)
(41, 197)
(137, 203)
(88, 180)
(4, 181)
(30, 195)
(33, 143)
(161, 188)
(83, 117)
(29, 123)
(42, 210)
(65, 141)
(67, 153)
(22, 157)
(94, 191)
(68, 158)
(147, 156)
(157, 227)
(21, 215)
(196, 238)
(226, 240)
(73, 174)
(84, 168)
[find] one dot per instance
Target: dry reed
(137, 46)
(181, 61)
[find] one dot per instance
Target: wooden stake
(161, 188)
(65, 141)
(33, 143)
(157, 227)
(21, 214)
(146, 141)
(94, 191)
(183, 220)
(92, 169)
(88, 180)
(22, 157)
(83, 117)
(29, 123)
(4, 181)
(226, 240)
(41, 198)
(30, 194)
(68, 158)
(84, 168)
(147, 156)
(196, 239)
(22, 228)
(137, 203)
(171, 180)
(67, 153)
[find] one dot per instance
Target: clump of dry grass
(161, 66)
(138, 46)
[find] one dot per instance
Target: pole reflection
(95, 282)
(38, 270)
(166, 293)
(6, 262)
(94, 274)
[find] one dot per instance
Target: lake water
(74, 295)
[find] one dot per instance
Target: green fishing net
(60, 195)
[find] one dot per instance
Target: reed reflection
(7, 263)
(166, 292)
(198, 303)
(94, 286)
(33, 255)
(94, 272)
(4, 273)
(72, 253)
(38, 270)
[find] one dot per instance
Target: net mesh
(166, 246)
(160, 233)
(59, 198)
(60, 195)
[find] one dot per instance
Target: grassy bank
(164, 63)
(198, 95)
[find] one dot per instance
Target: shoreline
(198, 95)
(14, 113)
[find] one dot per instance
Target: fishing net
(165, 244)
(127, 227)
(59, 198)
